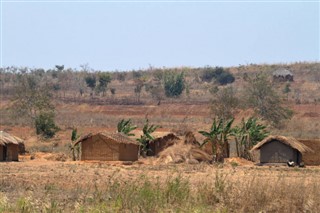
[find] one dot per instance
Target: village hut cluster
(118, 147)
(273, 150)
(169, 148)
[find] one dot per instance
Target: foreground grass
(220, 193)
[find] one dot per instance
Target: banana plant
(125, 127)
(146, 137)
(224, 137)
(248, 134)
(75, 149)
(218, 136)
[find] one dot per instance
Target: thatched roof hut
(280, 149)
(282, 75)
(9, 147)
(159, 144)
(108, 147)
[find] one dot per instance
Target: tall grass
(223, 193)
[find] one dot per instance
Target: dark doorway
(5, 153)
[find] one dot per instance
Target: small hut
(282, 75)
(9, 147)
(108, 147)
(161, 143)
(280, 150)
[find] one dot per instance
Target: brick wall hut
(280, 150)
(311, 158)
(108, 147)
(9, 147)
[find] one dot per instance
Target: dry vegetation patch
(50, 186)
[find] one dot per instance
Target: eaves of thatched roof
(167, 137)
(6, 138)
(282, 72)
(116, 137)
(290, 141)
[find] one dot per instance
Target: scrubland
(147, 186)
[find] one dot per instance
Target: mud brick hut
(280, 150)
(108, 147)
(159, 144)
(282, 75)
(312, 158)
(9, 147)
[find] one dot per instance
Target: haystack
(280, 149)
(9, 147)
(159, 144)
(191, 139)
(182, 152)
(108, 147)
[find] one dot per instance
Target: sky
(126, 35)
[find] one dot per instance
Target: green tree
(91, 83)
(125, 127)
(261, 96)
(146, 137)
(45, 124)
(104, 80)
(174, 84)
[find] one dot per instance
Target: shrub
(225, 78)
(45, 125)
(219, 74)
(174, 84)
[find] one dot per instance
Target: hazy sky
(131, 35)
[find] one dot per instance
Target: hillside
(189, 112)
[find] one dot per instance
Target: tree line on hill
(33, 90)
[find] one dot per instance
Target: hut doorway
(4, 153)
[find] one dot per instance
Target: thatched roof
(282, 72)
(6, 138)
(116, 137)
(168, 137)
(290, 141)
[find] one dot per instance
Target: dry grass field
(42, 185)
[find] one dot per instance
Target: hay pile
(183, 153)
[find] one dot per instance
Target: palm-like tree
(146, 137)
(247, 135)
(74, 148)
(218, 137)
(125, 127)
